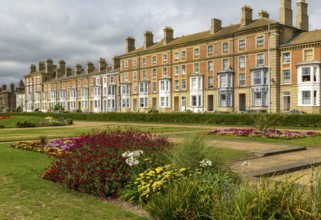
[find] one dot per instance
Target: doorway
(242, 102)
(286, 101)
(176, 103)
(135, 105)
(210, 103)
(154, 104)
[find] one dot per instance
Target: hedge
(290, 120)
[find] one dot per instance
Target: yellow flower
(158, 169)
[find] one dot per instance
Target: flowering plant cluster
(132, 157)
(4, 116)
(155, 180)
(97, 163)
(250, 132)
(29, 145)
(57, 147)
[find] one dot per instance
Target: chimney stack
(264, 14)
(286, 14)
(4, 87)
(168, 35)
(148, 39)
(116, 62)
(33, 68)
(67, 71)
(12, 87)
(62, 67)
(246, 15)
(216, 25)
(90, 67)
(49, 66)
(302, 17)
(130, 44)
(78, 68)
(102, 64)
(41, 66)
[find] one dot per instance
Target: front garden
(184, 181)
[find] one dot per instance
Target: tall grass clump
(267, 200)
(189, 153)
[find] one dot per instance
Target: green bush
(292, 120)
(2, 126)
(25, 124)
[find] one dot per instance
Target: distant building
(7, 98)
(20, 96)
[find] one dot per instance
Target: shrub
(2, 126)
(96, 165)
(25, 124)
(193, 197)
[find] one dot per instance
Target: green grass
(12, 121)
(303, 142)
(24, 195)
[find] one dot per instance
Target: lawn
(24, 195)
(12, 121)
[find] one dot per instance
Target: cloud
(79, 31)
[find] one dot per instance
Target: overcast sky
(85, 30)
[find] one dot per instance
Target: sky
(79, 31)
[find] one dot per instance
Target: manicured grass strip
(70, 131)
(302, 142)
(12, 121)
(24, 195)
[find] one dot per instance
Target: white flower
(205, 163)
(131, 161)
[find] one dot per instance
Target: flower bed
(99, 163)
(4, 116)
(278, 134)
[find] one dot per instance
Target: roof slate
(206, 35)
(305, 37)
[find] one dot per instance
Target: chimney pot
(264, 14)
(246, 15)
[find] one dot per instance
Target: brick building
(7, 98)
(259, 64)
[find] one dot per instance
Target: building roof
(305, 37)
(232, 29)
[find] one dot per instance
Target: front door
(242, 102)
(135, 105)
(154, 104)
(210, 103)
(286, 101)
(176, 103)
